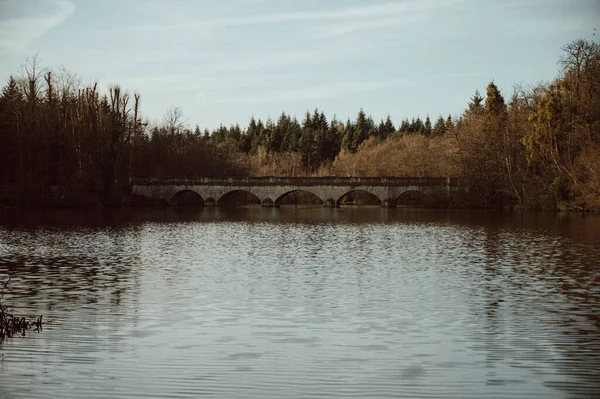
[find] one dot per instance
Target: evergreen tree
(371, 126)
(440, 127)
(494, 102)
(412, 127)
(405, 126)
(333, 140)
(388, 128)
(260, 127)
(419, 126)
(220, 134)
(348, 137)
(234, 134)
(267, 140)
(292, 136)
(252, 135)
(427, 128)
(319, 147)
(362, 129)
(277, 133)
(476, 105)
(378, 132)
(306, 143)
(449, 124)
(385, 129)
(10, 93)
(11, 101)
(322, 122)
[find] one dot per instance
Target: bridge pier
(210, 202)
(388, 203)
(268, 203)
(331, 203)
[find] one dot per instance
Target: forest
(537, 148)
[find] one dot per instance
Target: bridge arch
(185, 197)
(413, 198)
(245, 197)
(310, 197)
(360, 196)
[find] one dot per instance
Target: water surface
(303, 303)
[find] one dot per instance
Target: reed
(11, 325)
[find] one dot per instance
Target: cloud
(379, 23)
(365, 13)
(317, 92)
(354, 18)
(234, 41)
(17, 33)
(287, 58)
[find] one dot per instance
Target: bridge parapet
(300, 181)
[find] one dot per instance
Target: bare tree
(174, 120)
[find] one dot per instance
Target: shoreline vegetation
(11, 325)
(65, 144)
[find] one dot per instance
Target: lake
(302, 303)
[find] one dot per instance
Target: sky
(224, 61)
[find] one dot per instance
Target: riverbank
(126, 200)
(73, 198)
(121, 197)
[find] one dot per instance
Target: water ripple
(304, 303)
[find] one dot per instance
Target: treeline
(56, 134)
(282, 147)
(540, 148)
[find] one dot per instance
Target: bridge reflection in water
(271, 190)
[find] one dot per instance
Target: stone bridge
(270, 190)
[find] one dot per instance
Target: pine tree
(306, 143)
(10, 92)
(379, 132)
(388, 128)
(427, 129)
(348, 138)
(476, 104)
(404, 126)
(440, 127)
(234, 134)
(11, 101)
(319, 147)
(278, 131)
(412, 127)
(370, 125)
(323, 124)
(251, 134)
(449, 124)
(362, 129)
(292, 136)
(494, 102)
(267, 140)
(261, 139)
(333, 140)
(419, 126)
